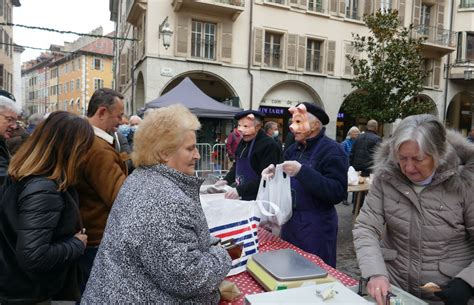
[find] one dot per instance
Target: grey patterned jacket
(156, 246)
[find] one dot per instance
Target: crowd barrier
(214, 160)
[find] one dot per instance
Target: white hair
(7, 104)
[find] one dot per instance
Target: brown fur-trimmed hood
(456, 165)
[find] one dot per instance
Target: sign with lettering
(280, 102)
(274, 111)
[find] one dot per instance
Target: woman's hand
(378, 287)
(82, 237)
(291, 168)
(232, 194)
(220, 182)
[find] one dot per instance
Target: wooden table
(269, 242)
(357, 191)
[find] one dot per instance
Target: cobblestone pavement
(346, 260)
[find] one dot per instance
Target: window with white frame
(272, 49)
(466, 4)
(470, 46)
(352, 9)
(203, 40)
(315, 6)
(97, 64)
(71, 86)
(78, 84)
(314, 55)
(65, 87)
(98, 83)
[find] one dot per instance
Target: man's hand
(291, 168)
(378, 287)
(456, 292)
(232, 194)
(82, 237)
(268, 172)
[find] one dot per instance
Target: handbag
(236, 220)
(277, 190)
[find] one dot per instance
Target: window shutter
(348, 51)
(440, 18)
(257, 46)
(226, 43)
(436, 73)
(123, 69)
(401, 11)
(331, 56)
(301, 53)
(333, 7)
(182, 36)
(368, 7)
(378, 4)
(416, 12)
(342, 8)
(101, 65)
(291, 57)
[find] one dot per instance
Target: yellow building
(75, 77)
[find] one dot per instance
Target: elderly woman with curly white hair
(417, 223)
(156, 246)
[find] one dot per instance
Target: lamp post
(165, 31)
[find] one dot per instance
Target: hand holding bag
(277, 190)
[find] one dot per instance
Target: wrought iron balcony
(220, 7)
(438, 40)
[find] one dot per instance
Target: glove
(268, 172)
(456, 292)
(232, 194)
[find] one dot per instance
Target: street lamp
(165, 31)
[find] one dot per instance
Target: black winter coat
(4, 160)
(362, 153)
(38, 250)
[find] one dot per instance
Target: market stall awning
(189, 95)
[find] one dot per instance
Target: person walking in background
(135, 121)
(271, 129)
(41, 237)
(102, 173)
(363, 149)
(254, 153)
(34, 121)
(318, 168)
(232, 142)
(157, 246)
(417, 223)
(470, 137)
(9, 113)
(352, 134)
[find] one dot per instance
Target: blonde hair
(55, 149)
(161, 133)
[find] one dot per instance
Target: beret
(242, 114)
(317, 112)
(7, 95)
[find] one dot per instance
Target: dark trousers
(86, 262)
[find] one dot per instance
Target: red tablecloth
(269, 242)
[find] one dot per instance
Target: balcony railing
(240, 3)
(466, 4)
(316, 7)
(435, 35)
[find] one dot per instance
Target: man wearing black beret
(318, 168)
(9, 112)
(255, 152)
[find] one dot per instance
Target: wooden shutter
(331, 56)
(258, 46)
(292, 51)
(367, 7)
(440, 17)
(401, 11)
(123, 69)
(342, 8)
(182, 34)
(436, 73)
(348, 51)
(333, 7)
(226, 46)
(301, 52)
(416, 12)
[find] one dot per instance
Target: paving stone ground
(346, 260)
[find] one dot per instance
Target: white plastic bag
(237, 220)
(277, 190)
(352, 176)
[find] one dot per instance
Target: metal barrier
(213, 160)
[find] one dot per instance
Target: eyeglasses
(10, 120)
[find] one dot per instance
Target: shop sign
(280, 102)
(166, 72)
(273, 110)
(340, 115)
